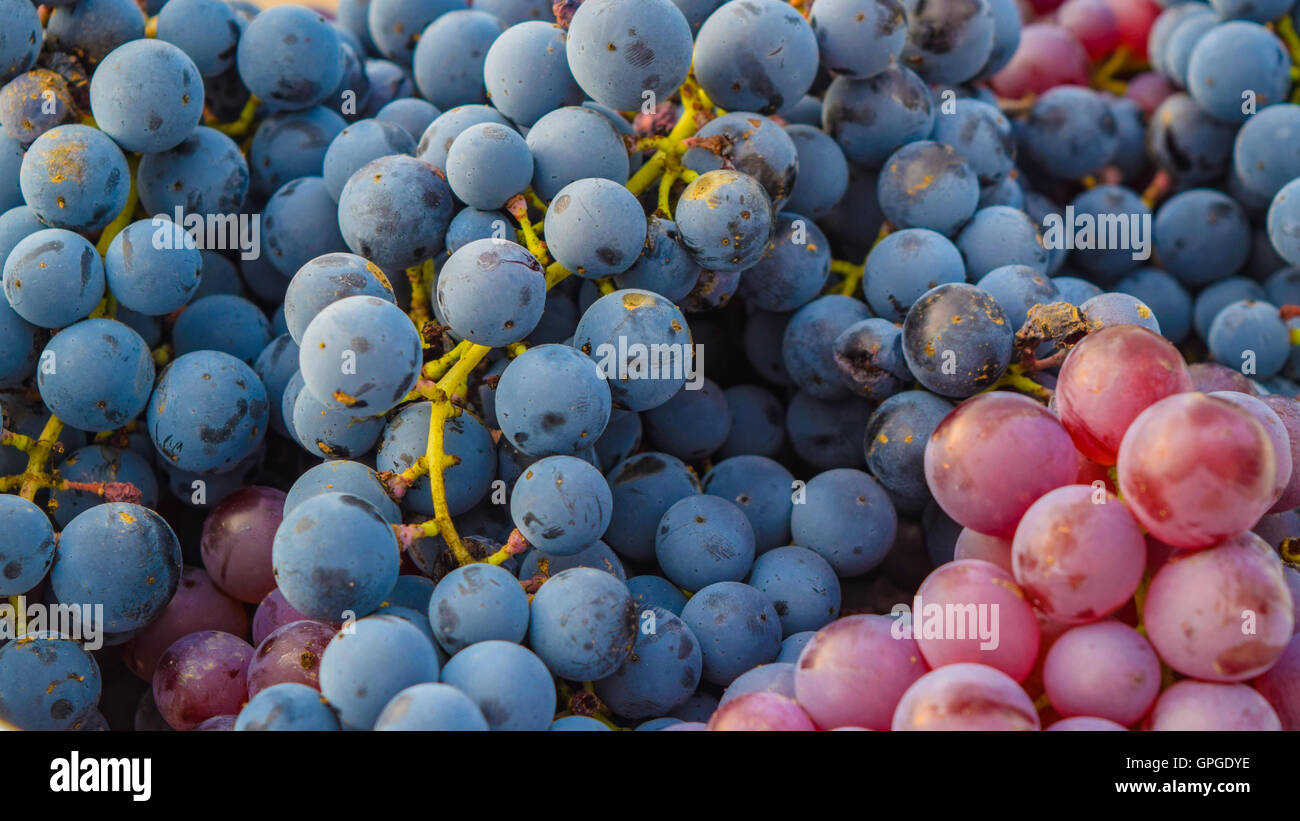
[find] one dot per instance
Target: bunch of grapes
(650, 364)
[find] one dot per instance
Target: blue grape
(99, 463)
(204, 174)
(153, 266)
(756, 55)
(793, 269)
(695, 11)
(411, 593)
(324, 431)
(431, 707)
(395, 210)
(825, 433)
(656, 591)
(15, 224)
(93, 28)
(1249, 332)
(405, 440)
(793, 646)
(22, 39)
(1167, 298)
(290, 57)
(1282, 287)
(574, 143)
(619, 49)
(757, 422)
(225, 323)
(697, 708)
(1260, 11)
(561, 505)
(121, 555)
(896, 436)
(661, 672)
(597, 556)
(1232, 59)
(275, 366)
(19, 346)
(288, 707)
(289, 145)
(1112, 308)
(595, 227)
(869, 355)
(488, 164)
(471, 224)
(395, 25)
(1017, 289)
(1163, 28)
(926, 184)
(206, 30)
(948, 41)
(1263, 155)
(691, 425)
(704, 539)
(823, 171)
(53, 278)
(862, 37)
(147, 95)
(220, 276)
(583, 624)
(352, 478)
(665, 266)
(981, 134)
(809, 343)
(29, 551)
(846, 518)
(443, 131)
(644, 487)
(470, 286)
(478, 602)
(448, 59)
(726, 220)
(75, 177)
(1113, 248)
(737, 629)
(360, 355)
(753, 145)
(47, 682)
(1070, 132)
(97, 375)
(358, 144)
(362, 669)
(208, 412)
(1283, 222)
(527, 73)
(552, 400)
(1008, 192)
(622, 437)
(326, 280)
(906, 264)
(872, 117)
(1187, 142)
(11, 160)
(1201, 236)
(509, 684)
(969, 324)
(1006, 35)
(334, 553)
(641, 345)
(1000, 236)
(411, 114)
(1130, 155)
(33, 103)
(386, 81)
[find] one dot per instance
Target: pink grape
(1195, 469)
(236, 542)
(761, 711)
(962, 592)
(1135, 18)
(965, 697)
(1076, 559)
(1092, 23)
(853, 671)
(975, 461)
(1149, 89)
(1048, 56)
(198, 605)
(1211, 376)
(273, 613)
(1222, 614)
(1109, 378)
(1288, 412)
(218, 724)
(290, 654)
(1203, 705)
(1280, 686)
(200, 676)
(1104, 669)
(1087, 724)
(1278, 436)
(974, 545)
(685, 727)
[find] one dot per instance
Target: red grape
(273, 613)
(1105, 669)
(1278, 436)
(290, 654)
(200, 676)
(1048, 56)
(1280, 686)
(972, 544)
(761, 711)
(1149, 89)
(976, 465)
(1135, 18)
(1202, 705)
(1092, 23)
(1211, 376)
(198, 605)
(1195, 470)
(1288, 411)
(1088, 724)
(236, 542)
(965, 697)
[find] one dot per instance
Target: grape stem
(123, 218)
(242, 124)
(35, 476)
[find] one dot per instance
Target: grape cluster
(650, 364)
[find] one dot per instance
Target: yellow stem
(666, 184)
(433, 455)
(38, 457)
(244, 123)
(438, 367)
(123, 218)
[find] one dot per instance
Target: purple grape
(236, 542)
(291, 654)
(201, 676)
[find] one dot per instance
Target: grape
(896, 437)
(207, 31)
(737, 628)
(478, 602)
(1070, 131)
(1187, 142)
(982, 136)
(958, 324)
(1103, 670)
(1288, 412)
(561, 505)
(379, 361)
(97, 375)
(641, 345)
(121, 555)
(809, 343)
(965, 697)
(1094, 25)
(237, 541)
(488, 164)
(726, 220)
(761, 488)
(823, 176)
(906, 264)
(1278, 436)
(1201, 235)
(862, 37)
(574, 143)
(471, 224)
(405, 440)
(702, 540)
(1260, 156)
(926, 184)
(551, 400)
(286, 707)
(656, 591)
(999, 238)
(1201, 705)
(229, 324)
(692, 425)
(448, 59)
(1278, 685)
(664, 266)
(30, 551)
(973, 611)
(1149, 89)
(1212, 300)
(47, 683)
(472, 281)
(363, 668)
(948, 41)
(395, 25)
(508, 683)
(595, 227)
(385, 81)
(761, 712)
(431, 707)
(1109, 378)
(442, 132)
(971, 544)
(153, 267)
(97, 463)
(1016, 288)
(273, 613)
(792, 270)
(275, 366)
(661, 671)
(826, 434)
(290, 57)
(345, 477)
(756, 55)
(972, 469)
(147, 95)
(1198, 603)
(801, 585)
(853, 671)
(757, 422)
(1168, 300)
(53, 278)
(395, 210)
(197, 606)
(1087, 724)
(1235, 58)
(751, 144)
(359, 144)
(287, 146)
(620, 49)
(33, 103)
(847, 518)
(326, 280)
(597, 555)
(777, 677)
(527, 74)
(200, 676)
(1047, 56)
(93, 28)
(583, 624)
(22, 42)
(411, 114)
(872, 117)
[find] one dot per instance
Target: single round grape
(1071, 132)
(761, 488)
(862, 37)
(478, 602)
(1104, 670)
(405, 440)
(509, 684)
(737, 628)
(153, 267)
(1202, 705)
(488, 164)
(761, 711)
(656, 591)
(896, 438)
(197, 606)
(395, 210)
(447, 64)
(759, 55)
(927, 184)
(552, 400)
(286, 707)
(223, 323)
(704, 539)
(360, 356)
(344, 477)
(200, 676)
(53, 277)
(965, 697)
(206, 30)
(470, 288)
(847, 518)
(872, 117)
(574, 143)
(665, 266)
(823, 176)
(1234, 59)
(93, 28)
(561, 505)
(289, 145)
(290, 56)
(1278, 435)
(595, 227)
(47, 683)
(641, 345)
(620, 49)
(96, 375)
(644, 486)
(147, 95)
(801, 585)
(431, 707)
(236, 543)
(660, 673)
(853, 672)
(793, 269)
(726, 220)
(583, 624)
(22, 42)
(290, 654)
(208, 412)
(29, 552)
(527, 73)
(363, 668)
(975, 590)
